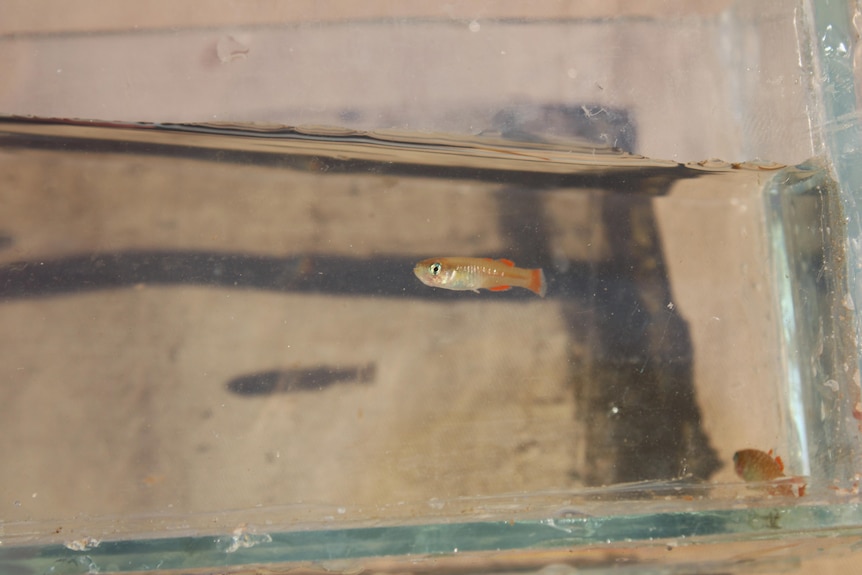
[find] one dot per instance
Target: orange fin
(500, 288)
(537, 283)
(779, 462)
(507, 262)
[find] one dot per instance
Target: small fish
(474, 273)
(755, 465)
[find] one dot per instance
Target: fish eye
(435, 268)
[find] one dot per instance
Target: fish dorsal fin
(500, 288)
(507, 262)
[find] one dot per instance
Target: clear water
(216, 352)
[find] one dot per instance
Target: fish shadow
(315, 378)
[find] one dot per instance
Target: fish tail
(537, 282)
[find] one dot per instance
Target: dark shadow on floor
(292, 380)
(333, 275)
(631, 353)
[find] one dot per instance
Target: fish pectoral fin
(500, 288)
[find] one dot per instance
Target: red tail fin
(537, 282)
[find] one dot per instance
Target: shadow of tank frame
(631, 354)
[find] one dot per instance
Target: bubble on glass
(82, 544)
(229, 49)
(243, 538)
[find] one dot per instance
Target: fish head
(434, 272)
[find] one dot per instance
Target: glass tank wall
(216, 352)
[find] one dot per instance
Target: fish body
(756, 465)
(473, 274)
